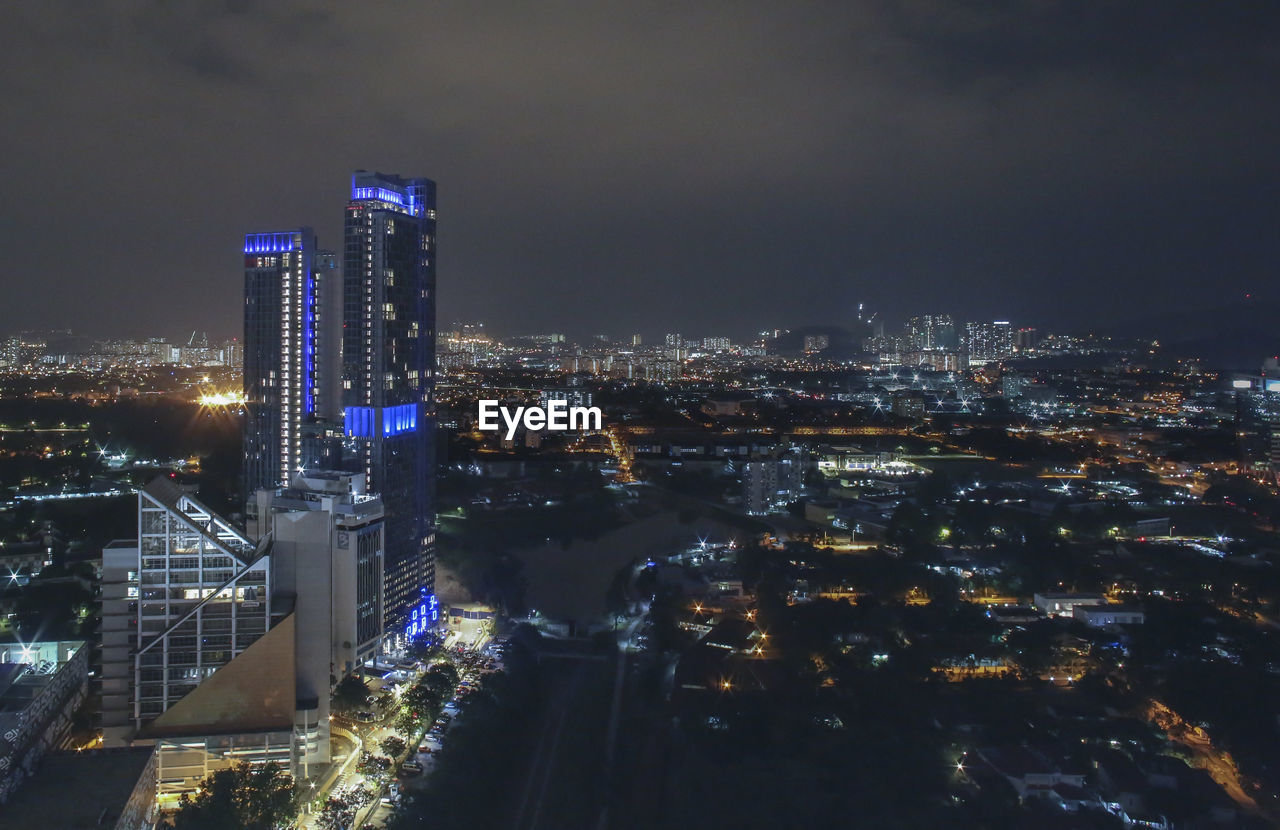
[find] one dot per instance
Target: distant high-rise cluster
(36, 350)
(941, 343)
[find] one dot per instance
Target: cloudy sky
(618, 167)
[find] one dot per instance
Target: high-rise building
(197, 657)
(323, 518)
(988, 341)
(326, 553)
(388, 379)
(768, 484)
(816, 342)
(290, 350)
(42, 684)
(220, 648)
(932, 331)
(1026, 338)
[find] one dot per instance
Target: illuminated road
(1219, 763)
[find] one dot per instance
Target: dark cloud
(649, 166)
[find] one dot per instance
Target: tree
(410, 720)
(393, 745)
(423, 648)
(350, 694)
(249, 797)
(441, 679)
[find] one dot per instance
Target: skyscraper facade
(388, 377)
(291, 363)
(928, 332)
(219, 648)
(183, 601)
(988, 341)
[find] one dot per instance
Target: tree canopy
(243, 796)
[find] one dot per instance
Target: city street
(391, 787)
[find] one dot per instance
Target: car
(425, 748)
(411, 767)
(365, 717)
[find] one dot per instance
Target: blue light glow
(379, 194)
(272, 243)
(360, 421)
(418, 619)
(399, 419)
(309, 346)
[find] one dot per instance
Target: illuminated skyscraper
(988, 341)
(388, 379)
(290, 351)
(932, 331)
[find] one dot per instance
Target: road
(542, 764)
(625, 638)
(369, 737)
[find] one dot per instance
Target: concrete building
(41, 686)
(1098, 616)
(326, 538)
(986, 342)
(198, 658)
(908, 404)
(929, 332)
(771, 483)
(1064, 604)
(221, 646)
(114, 789)
(184, 601)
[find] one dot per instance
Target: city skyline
(1077, 166)
(841, 413)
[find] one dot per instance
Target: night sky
(631, 167)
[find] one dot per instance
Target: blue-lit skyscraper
(388, 377)
(291, 318)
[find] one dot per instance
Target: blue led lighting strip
(272, 243)
(379, 194)
(360, 421)
(309, 345)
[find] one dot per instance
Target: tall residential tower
(388, 377)
(291, 365)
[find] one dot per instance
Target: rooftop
(99, 783)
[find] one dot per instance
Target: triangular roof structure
(255, 692)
